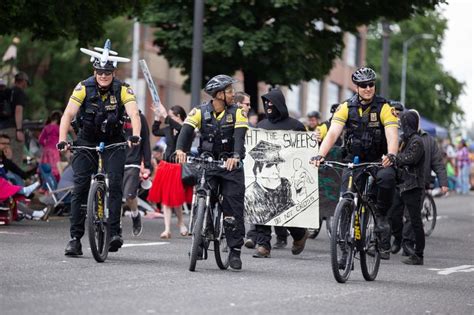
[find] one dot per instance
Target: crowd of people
(103, 108)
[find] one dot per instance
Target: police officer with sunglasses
(98, 105)
(371, 133)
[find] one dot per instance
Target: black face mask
(272, 113)
(409, 124)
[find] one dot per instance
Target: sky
(457, 51)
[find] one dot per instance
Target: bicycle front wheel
(342, 245)
(428, 214)
(98, 227)
(221, 250)
(369, 254)
(196, 245)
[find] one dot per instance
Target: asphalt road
(150, 276)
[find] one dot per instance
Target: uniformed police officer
(371, 134)
(222, 126)
(98, 104)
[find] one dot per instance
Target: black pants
(383, 189)
(232, 188)
(84, 164)
(264, 234)
(412, 200)
(396, 216)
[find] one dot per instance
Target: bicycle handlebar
(209, 161)
(100, 148)
(350, 164)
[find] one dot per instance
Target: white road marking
(448, 271)
(145, 244)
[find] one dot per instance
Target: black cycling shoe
(137, 225)
(73, 248)
(234, 259)
(115, 243)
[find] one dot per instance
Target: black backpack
(6, 100)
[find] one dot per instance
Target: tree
(55, 67)
(275, 41)
(74, 20)
(429, 89)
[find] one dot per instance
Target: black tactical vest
(101, 120)
(217, 136)
(365, 135)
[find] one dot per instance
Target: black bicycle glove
(392, 158)
(134, 139)
(61, 145)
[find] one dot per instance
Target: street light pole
(406, 44)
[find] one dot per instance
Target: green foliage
(74, 20)
(429, 89)
(55, 67)
(275, 41)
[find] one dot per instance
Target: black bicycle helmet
(397, 105)
(363, 75)
(218, 83)
(109, 65)
(314, 114)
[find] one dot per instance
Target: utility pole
(196, 70)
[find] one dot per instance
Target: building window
(333, 93)
(293, 99)
(312, 102)
(351, 48)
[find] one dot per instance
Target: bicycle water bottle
(356, 159)
(101, 147)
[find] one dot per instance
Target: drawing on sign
(281, 187)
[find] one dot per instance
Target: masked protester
(410, 161)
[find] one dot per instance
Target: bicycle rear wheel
(197, 233)
(220, 242)
(369, 254)
(428, 214)
(342, 246)
(98, 227)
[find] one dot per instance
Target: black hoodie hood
(410, 123)
(279, 111)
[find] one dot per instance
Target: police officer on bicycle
(98, 105)
(222, 126)
(371, 134)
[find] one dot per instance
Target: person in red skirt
(167, 187)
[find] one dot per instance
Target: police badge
(229, 118)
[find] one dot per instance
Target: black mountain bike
(353, 225)
(97, 204)
(207, 218)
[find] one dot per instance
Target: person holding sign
(222, 127)
(371, 134)
(266, 157)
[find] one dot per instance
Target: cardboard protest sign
(281, 185)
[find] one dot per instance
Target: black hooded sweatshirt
(278, 119)
(410, 159)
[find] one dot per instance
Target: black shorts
(131, 181)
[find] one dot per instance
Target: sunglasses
(102, 72)
(365, 85)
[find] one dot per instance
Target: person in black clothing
(403, 232)
(222, 127)
(277, 118)
(133, 171)
(11, 118)
(410, 174)
(174, 118)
